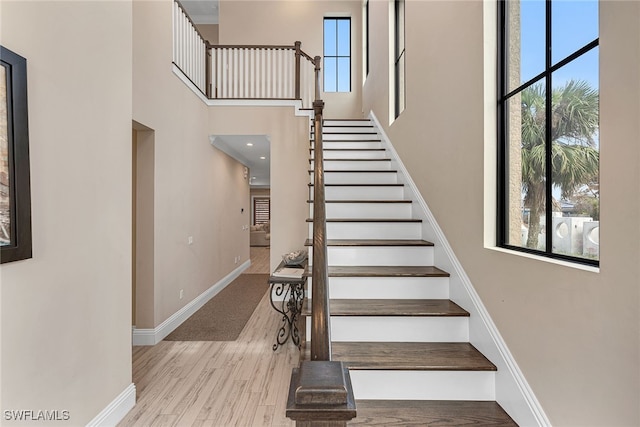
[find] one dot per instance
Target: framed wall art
(15, 190)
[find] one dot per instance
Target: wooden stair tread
(383, 271)
(369, 220)
(354, 160)
(358, 170)
(392, 307)
(365, 201)
(329, 119)
(408, 356)
(454, 413)
(360, 185)
(347, 133)
(312, 139)
(372, 242)
(351, 149)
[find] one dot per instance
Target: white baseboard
(157, 334)
(116, 410)
(512, 389)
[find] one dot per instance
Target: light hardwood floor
(259, 260)
(197, 383)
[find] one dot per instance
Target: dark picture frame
(15, 186)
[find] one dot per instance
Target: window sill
(563, 263)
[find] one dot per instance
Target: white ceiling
(249, 155)
(202, 11)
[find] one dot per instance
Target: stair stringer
(512, 390)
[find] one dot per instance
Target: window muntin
(549, 145)
(337, 54)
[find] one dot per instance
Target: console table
(291, 290)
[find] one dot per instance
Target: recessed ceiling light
(249, 144)
(262, 157)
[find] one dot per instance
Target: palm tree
(575, 157)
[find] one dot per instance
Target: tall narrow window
(399, 57)
(337, 54)
(261, 210)
(548, 125)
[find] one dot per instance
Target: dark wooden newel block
(320, 393)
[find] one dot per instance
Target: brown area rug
(223, 317)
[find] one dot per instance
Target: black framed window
(548, 128)
(337, 54)
(399, 57)
(15, 194)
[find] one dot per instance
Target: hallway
(199, 383)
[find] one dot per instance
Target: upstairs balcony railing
(242, 72)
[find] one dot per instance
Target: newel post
(317, 60)
(321, 395)
(297, 82)
(207, 69)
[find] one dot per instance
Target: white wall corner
(513, 392)
(116, 410)
(157, 334)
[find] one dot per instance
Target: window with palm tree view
(548, 130)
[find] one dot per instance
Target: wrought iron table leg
(290, 308)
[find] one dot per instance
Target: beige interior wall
(282, 22)
(66, 313)
(199, 192)
(574, 333)
(289, 167)
(209, 32)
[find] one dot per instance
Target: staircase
(392, 323)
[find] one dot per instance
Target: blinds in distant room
(261, 210)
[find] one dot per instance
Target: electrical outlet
(181, 293)
(190, 240)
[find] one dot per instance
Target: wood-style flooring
(259, 260)
(239, 383)
(199, 383)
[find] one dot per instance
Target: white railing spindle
(189, 48)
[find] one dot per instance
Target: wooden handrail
(320, 392)
(253, 46)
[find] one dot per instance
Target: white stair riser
(378, 255)
(349, 136)
(372, 230)
(355, 164)
(366, 210)
(354, 154)
(348, 128)
(423, 385)
(350, 144)
(386, 287)
(330, 122)
(398, 329)
(362, 193)
(358, 178)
